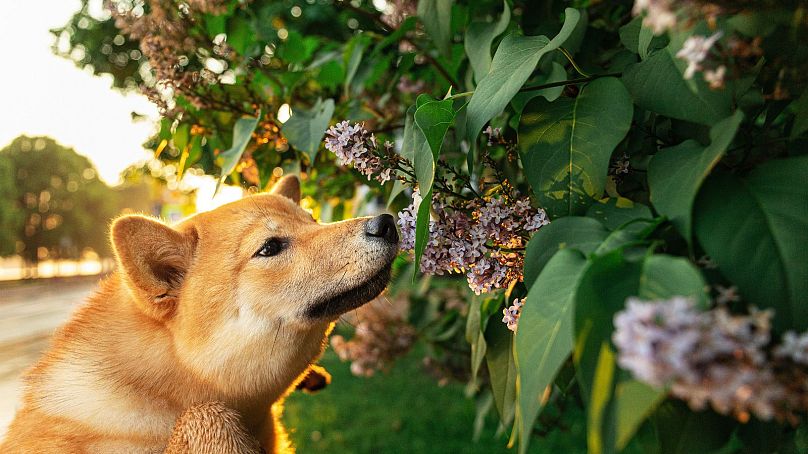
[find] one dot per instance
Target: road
(29, 313)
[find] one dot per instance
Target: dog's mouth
(334, 306)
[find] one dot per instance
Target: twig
(580, 80)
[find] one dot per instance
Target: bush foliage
(664, 141)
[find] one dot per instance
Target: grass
(402, 411)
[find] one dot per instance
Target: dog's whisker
(275, 339)
(344, 320)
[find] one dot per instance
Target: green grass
(402, 411)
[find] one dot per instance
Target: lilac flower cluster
(659, 14)
(382, 334)
(481, 238)
(511, 314)
(355, 146)
(714, 358)
(695, 51)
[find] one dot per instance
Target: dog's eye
(271, 247)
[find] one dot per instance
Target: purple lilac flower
(460, 242)
(695, 51)
(354, 145)
(714, 358)
(512, 313)
(659, 14)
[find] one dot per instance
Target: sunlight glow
(42, 94)
(284, 113)
(206, 185)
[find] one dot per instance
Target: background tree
(11, 216)
(65, 206)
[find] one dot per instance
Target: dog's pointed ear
(288, 186)
(153, 258)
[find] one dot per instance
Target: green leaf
(240, 34)
(637, 38)
(675, 174)
(514, 62)
(437, 18)
(421, 230)
(579, 233)
(352, 57)
(607, 282)
(544, 339)
(684, 431)
(305, 128)
(214, 25)
(756, 229)
(478, 40)
(296, 48)
(433, 118)
(181, 136)
(242, 132)
(801, 117)
(664, 277)
(557, 74)
(566, 145)
(395, 191)
(502, 370)
(657, 84)
(412, 139)
(600, 419)
(635, 401)
(475, 338)
(615, 213)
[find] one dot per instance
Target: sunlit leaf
(566, 145)
(305, 128)
(432, 119)
(242, 132)
(514, 61)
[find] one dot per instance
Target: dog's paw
(315, 379)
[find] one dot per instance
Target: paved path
(29, 314)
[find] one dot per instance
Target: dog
(192, 343)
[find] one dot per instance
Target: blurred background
(72, 157)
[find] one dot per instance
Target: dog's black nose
(382, 226)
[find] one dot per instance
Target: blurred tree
(64, 205)
(11, 216)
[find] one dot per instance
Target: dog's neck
(112, 366)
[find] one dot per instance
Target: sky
(43, 94)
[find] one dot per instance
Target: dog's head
(253, 267)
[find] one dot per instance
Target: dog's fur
(191, 345)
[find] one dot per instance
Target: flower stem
(573, 63)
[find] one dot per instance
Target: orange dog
(192, 344)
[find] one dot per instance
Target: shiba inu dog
(192, 343)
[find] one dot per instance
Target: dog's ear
(288, 186)
(153, 258)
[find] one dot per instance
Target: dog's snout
(382, 226)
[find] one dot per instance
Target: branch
(580, 80)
